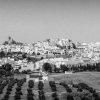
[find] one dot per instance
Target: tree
(2, 54)
(38, 53)
(13, 42)
(74, 46)
(6, 42)
(70, 97)
(33, 53)
(54, 94)
(8, 67)
(6, 70)
(69, 47)
(24, 56)
(64, 68)
(46, 67)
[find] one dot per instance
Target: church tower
(9, 40)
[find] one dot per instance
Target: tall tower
(9, 40)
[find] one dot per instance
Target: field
(90, 78)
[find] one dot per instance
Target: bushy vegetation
(79, 91)
(83, 92)
(30, 93)
(6, 70)
(41, 92)
(48, 67)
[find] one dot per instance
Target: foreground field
(92, 79)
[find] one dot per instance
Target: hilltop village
(54, 51)
(54, 69)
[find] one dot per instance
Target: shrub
(56, 98)
(70, 97)
(53, 86)
(5, 99)
(18, 89)
(54, 94)
(19, 92)
(17, 97)
(75, 86)
(83, 86)
(54, 89)
(29, 90)
(40, 85)
(79, 89)
(85, 98)
(69, 90)
(51, 83)
(95, 95)
(41, 92)
(6, 96)
(42, 97)
(1, 91)
(97, 98)
(91, 90)
(30, 97)
(9, 89)
(8, 92)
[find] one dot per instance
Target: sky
(29, 21)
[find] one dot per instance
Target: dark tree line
(75, 68)
(2, 54)
(6, 70)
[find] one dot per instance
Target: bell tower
(9, 40)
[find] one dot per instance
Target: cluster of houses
(46, 47)
(51, 47)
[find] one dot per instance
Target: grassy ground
(90, 78)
